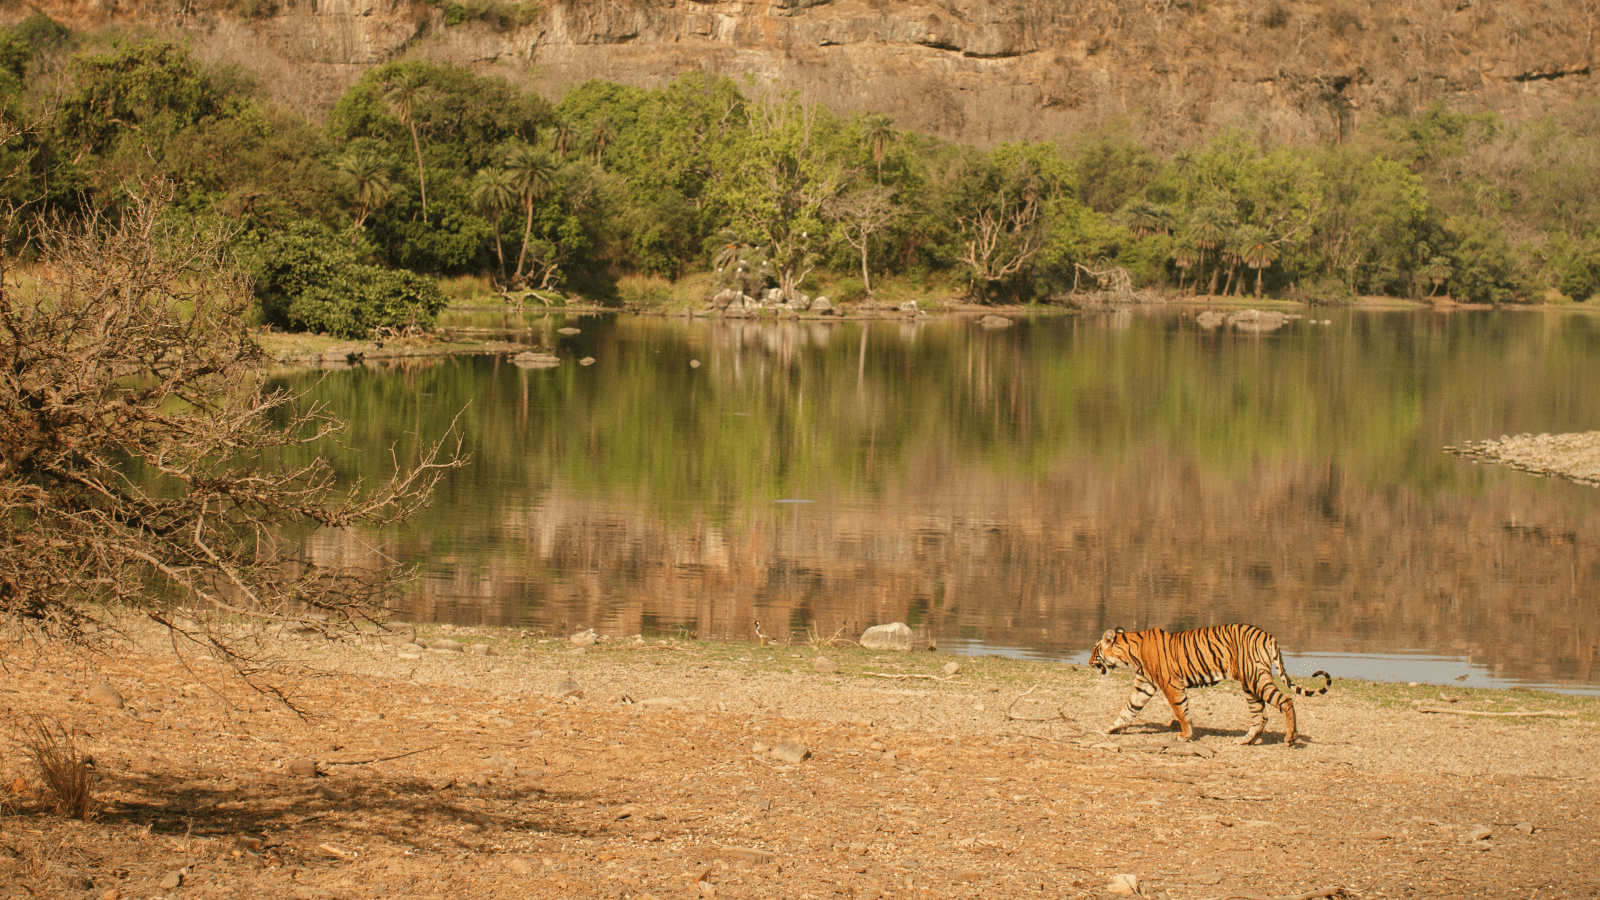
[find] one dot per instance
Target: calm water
(1013, 490)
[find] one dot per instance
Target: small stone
(302, 768)
(694, 363)
(172, 881)
(650, 836)
(397, 636)
(568, 688)
(102, 694)
(1124, 884)
(412, 647)
(585, 638)
(519, 866)
(790, 751)
(498, 761)
(1376, 835)
(752, 854)
(951, 668)
(1525, 827)
(569, 330)
(1479, 833)
(481, 650)
(445, 645)
(826, 666)
(586, 361)
(408, 654)
(759, 748)
(112, 894)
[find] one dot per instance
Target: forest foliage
(424, 171)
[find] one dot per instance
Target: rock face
(981, 71)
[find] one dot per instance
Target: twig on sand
(1334, 891)
(378, 759)
(931, 677)
(1059, 716)
(1553, 713)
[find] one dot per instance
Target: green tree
(1377, 212)
(775, 192)
(366, 177)
(533, 176)
(878, 131)
(1004, 205)
(1208, 230)
(1254, 246)
(307, 280)
(403, 89)
(494, 191)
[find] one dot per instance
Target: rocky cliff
(983, 71)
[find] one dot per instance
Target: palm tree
(562, 140)
(1145, 218)
(532, 176)
(1210, 227)
(494, 191)
(879, 133)
(1254, 246)
(1185, 257)
(600, 137)
(1438, 272)
(368, 179)
(402, 91)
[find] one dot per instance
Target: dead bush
(65, 771)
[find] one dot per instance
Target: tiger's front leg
(1178, 698)
(1143, 690)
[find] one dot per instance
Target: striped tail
(1327, 680)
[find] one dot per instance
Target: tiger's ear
(1119, 630)
(1110, 634)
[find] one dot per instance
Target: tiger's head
(1112, 651)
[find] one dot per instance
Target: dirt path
(456, 775)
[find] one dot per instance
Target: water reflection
(1025, 487)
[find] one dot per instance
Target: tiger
(1173, 661)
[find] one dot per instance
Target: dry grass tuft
(65, 771)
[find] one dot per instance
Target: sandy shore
(692, 770)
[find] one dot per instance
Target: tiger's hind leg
(1258, 717)
(1265, 691)
(1143, 690)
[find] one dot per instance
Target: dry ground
(463, 776)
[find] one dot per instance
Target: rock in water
(894, 636)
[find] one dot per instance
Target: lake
(1010, 490)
